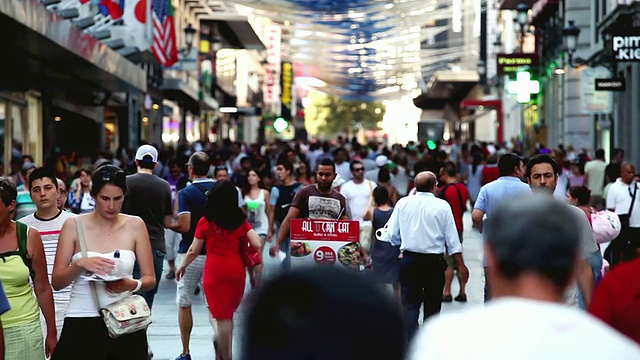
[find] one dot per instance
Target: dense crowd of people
(92, 232)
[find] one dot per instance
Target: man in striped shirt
(48, 220)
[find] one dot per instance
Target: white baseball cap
(381, 160)
(147, 153)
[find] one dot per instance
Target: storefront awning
(179, 91)
(623, 15)
(447, 87)
(236, 31)
(542, 10)
(209, 103)
(513, 4)
(49, 51)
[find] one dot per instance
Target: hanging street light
(189, 33)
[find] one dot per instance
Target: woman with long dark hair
(114, 243)
(474, 177)
(80, 199)
(224, 228)
(256, 198)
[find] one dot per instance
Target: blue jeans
(285, 247)
(595, 260)
(158, 264)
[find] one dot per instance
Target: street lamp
(216, 42)
(189, 33)
(570, 36)
(522, 19)
(523, 14)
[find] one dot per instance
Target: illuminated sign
(287, 82)
(523, 87)
(626, 44)
(512, 63)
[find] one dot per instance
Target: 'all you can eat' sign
(325, 242)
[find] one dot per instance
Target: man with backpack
(457, 195)
(279, 202)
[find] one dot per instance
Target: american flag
(164, 46)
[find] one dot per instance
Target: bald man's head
(627, 172)
(426, 181)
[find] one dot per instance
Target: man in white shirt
(532, 243)
(358, 192)
(623, 199)
(594, 172)
(423, 225)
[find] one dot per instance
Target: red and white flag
(164, 46)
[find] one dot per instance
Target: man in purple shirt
(172, 238)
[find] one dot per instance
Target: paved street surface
(164, 335)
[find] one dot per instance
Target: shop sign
(272, 78)
(626, 44)
(186, 61)
(615, 84)
(325, 242)
(286, 98)
(512, 63)
(592, 101)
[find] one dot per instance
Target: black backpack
(287, 193)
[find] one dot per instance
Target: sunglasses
(221, 168)
(358, 169)
(117, 176)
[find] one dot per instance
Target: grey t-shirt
(588, 243)
(588, 246)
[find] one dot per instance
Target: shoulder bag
(124, 316)
(624, 218)
(250, 255)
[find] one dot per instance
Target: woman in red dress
(222, 229)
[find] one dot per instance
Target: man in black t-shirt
(279, 203)
(149, 197)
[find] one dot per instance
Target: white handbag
(124, 316)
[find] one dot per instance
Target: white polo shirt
(619, 199)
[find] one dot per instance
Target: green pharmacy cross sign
(523, 87)
(280, 125)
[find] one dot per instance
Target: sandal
(447, 298)
(461, 298)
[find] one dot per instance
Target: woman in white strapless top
(114, 243)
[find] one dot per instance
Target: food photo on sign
(326, 242)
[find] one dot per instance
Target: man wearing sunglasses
(358, 192)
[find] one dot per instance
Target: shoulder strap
(23, 235)
(443, 192)
(633, 198)
(462, 207)
(83, 250)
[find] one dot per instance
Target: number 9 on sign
(324, 255)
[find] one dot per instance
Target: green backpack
(22, 232)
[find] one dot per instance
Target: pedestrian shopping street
(164, 334)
